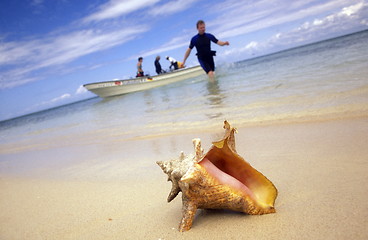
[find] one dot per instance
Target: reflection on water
(215, 98)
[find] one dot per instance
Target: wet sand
(320, 170)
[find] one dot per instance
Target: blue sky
(50, 48)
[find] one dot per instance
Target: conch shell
(219, 179)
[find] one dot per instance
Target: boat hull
(119, 87)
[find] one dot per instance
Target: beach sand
(319, 168)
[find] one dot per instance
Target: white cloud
(81, 90)
(317, 22)
(174, 43)
(22, 58)
(34, 55)
(252, 45)
(64, 48)
(240, 19)
(57, 100)
(353, 9)
(37, 2)
(117, 8)
(172, 7)
(49, 103)
(347, 17)
(62, 97)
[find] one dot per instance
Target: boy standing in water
(140, 72)
(202, 42)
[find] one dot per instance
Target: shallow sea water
(321, 81)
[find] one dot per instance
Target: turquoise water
(325, 80)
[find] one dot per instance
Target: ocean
(321, 81)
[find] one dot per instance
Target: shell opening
(225, 178)
(230, 168)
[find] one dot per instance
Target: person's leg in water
(208, 66)
(211, 76)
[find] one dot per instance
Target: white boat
(118, 87)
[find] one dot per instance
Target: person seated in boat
(180, 64)
(158, 66)
(173, 62)
(140, 72)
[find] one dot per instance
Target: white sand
(320, 170)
